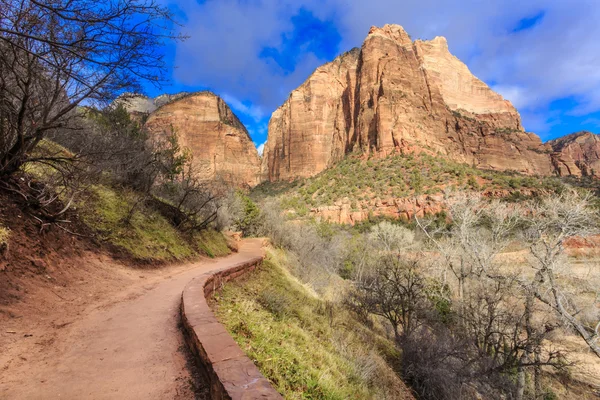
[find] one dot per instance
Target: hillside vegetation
(148, 235)
(364, 181)
(121, 216)
(483, 303)
(307, 346)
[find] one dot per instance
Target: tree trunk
(537, 378)
(397, 335)
(521, 377)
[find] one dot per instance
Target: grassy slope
(149, 236)
(307, 347)
(396, 176)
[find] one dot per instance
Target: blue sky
(543, 55)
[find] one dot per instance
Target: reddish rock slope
(577, 154)
(394, 94)
(219, 142)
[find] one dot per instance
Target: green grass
(148, 236)
(308, 348)
(212, 243)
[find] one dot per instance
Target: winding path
(130, 349)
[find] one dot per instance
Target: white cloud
(591, 121)
(517, 95)
(226, 38)
(556, 59)
(260, 149)
(254, 112)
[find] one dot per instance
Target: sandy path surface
(128, 347)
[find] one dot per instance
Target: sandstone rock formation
(392, 95)
(218, 141)
(405, 208)
(577, 154)
(136, 103)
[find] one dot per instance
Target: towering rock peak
(577, 154)
(577, 138)
(438, 41)
(394, 95)
(392, 32)
(312, 129)
(460, 89)
(137, 103)
(218, 141)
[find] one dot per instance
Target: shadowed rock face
(396, 95)
(218, 141)
(577, 154)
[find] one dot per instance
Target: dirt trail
(125, 348)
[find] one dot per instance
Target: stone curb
(230, 373)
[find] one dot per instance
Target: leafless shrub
(230, 211)
(317, 258)
(274, 302)
(195, 202)
(433, 365)
(388, 237)
(395, 290)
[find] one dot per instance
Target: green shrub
(4, 237)
(550, 395)
(250, 221)
(416, 182)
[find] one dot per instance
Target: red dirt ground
(107, 341)
(76, 323)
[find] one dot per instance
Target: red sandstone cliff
(391, 95)
(218, 141)
(577, 154)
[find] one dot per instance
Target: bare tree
(479, 231)
(549, 224)
(396, 291)
(496, 309)
(194, 202)
(390, 238)
(56, 55)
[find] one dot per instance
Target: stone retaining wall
(230, 373)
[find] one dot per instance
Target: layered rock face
(311, 130)
(395, 95)
(577, 154)
(405, 208)
(219, 142)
